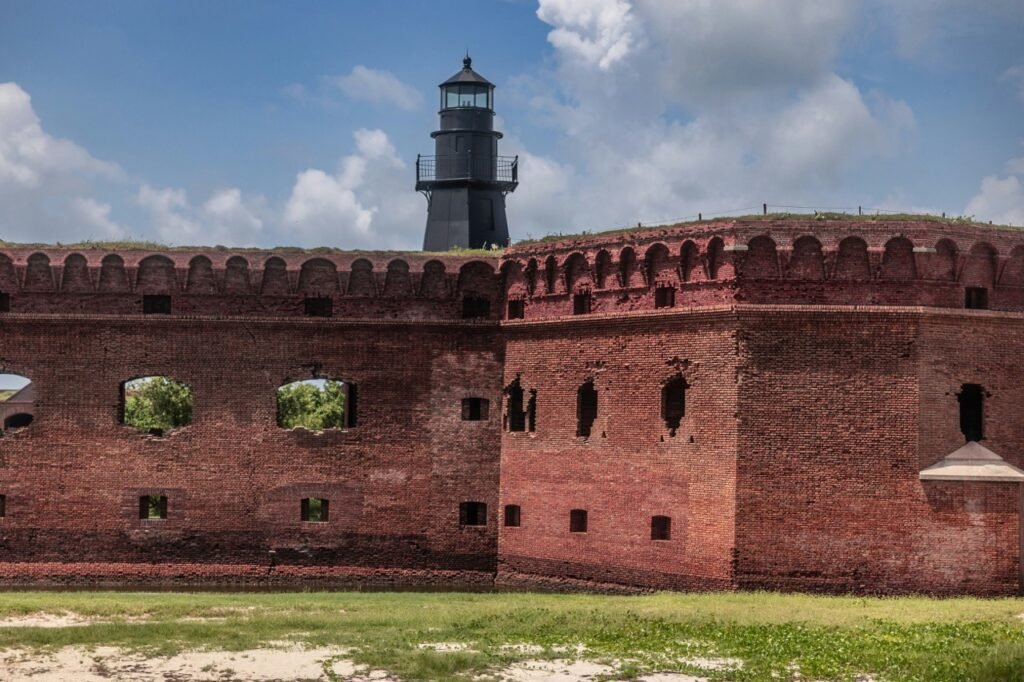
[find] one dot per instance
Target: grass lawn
(824, 638)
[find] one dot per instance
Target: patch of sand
(104, 664)
(444, 646)
(714, 663)
(560, 670)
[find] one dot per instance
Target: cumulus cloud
(45, 181)
(1000, 200)
(598, 32)
(29, 157)
(366, 203)
(377, 86)
(668, 108)
(224, 218)
(96, 215)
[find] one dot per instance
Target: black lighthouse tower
(466, 181)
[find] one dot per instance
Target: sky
(251, 123)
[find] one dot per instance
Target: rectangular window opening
(512, 515)
(531, 411)
(972, 411)
(5, 302)
(586, 409)
(976, 298)
(578, 521)
(315, 509)
(153, 507)
(661, 528)
(3, 506)
(473, 514)
(664, 297)
(581, 304)
(475, 307)
(516, 309)
(475, 409)
(156, 304)
(318, 306)
(673, 403)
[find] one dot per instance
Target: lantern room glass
(462, 96)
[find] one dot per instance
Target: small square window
(512, 515)
(578, 521)
(5, 302)
(156, 304)
(581, 304)
(664, 297)
(473, 514)
(475, 307)
(976, 298)
(315, 509)
(661, 528)
(516, 309)
(475, 409)
(153, 507)
(318, 306)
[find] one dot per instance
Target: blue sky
(260, 123)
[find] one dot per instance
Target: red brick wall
(631, 468)
(796, 465)
(233, 478)
(839, 411)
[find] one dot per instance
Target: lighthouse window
(457, 96)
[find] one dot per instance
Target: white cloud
(598, 32)
(97, 215)
(225, 218)
(712, 106)
(367, 203)
(29, 157)
(377, 86)
(1000, 200)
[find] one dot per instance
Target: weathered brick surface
(822, 359)
(233, 478)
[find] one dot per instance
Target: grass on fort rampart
(775, 637)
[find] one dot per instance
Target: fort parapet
(742, 403)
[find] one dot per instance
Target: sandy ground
(280, 664)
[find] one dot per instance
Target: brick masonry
(821, 359)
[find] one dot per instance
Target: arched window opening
(586, 408)
(673, 403)
(550, 275)
(156, 404)
(314, 509)
(17, 402)
(972, 413)
(661, 528)
(627, 264)
(473, 514)
(316, 405)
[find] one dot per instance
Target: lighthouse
(466, 181)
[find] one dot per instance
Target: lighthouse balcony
(500, 172)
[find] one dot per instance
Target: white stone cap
(972, 462)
